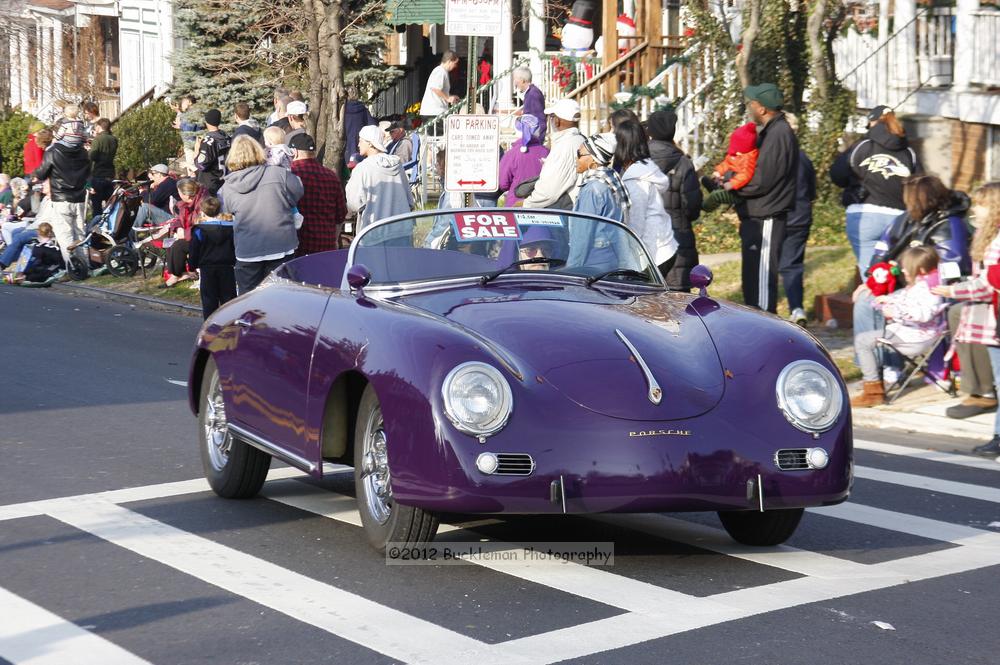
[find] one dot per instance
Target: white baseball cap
(296, 107)
(567, 109)
(373, 135)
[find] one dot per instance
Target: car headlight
(809, 396)
(477, 398)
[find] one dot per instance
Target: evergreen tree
(237, 51)
(364, 33)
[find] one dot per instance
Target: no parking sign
(473, 154)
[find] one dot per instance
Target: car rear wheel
(771, 527)
(384, 520)
(234, 469)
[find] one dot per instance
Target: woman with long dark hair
(646, 185)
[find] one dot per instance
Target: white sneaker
(890, 375)
(799, 316)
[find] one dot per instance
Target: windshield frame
(659, 284)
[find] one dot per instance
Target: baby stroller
(110, 239)
(107, 236)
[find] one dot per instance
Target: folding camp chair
(934, 364)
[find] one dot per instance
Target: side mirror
(701, 278)
(358, 277)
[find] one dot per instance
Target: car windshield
(480, 242)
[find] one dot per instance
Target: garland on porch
(656, 93)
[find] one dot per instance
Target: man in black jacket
(768, 197)
(683, 198)
(211, 151)
(67, 170)
(102, 154)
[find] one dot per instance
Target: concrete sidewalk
(922, 410)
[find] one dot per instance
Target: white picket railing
(986, 46)
(585, 69)
(888, 74)
(685, 83)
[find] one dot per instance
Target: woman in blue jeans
(872, 172)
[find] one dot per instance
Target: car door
(266, 376)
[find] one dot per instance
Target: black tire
(401, 524)
(78, 269)
(240, 473)
(771, 527)
(122, 261)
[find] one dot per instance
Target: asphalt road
(111, 550)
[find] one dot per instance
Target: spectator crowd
(241, 202)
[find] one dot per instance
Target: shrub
(146, 136)
(14, 127)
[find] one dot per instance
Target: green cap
(767, 94)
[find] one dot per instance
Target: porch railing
(547, 80)
(400, 94)
(595, 95)
(890, 72)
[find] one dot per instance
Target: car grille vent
(514, 464)
(791, 459)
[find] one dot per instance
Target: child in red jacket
(736, 170)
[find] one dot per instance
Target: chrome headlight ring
(477, 399)
(809, 396)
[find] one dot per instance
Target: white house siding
(146, 42)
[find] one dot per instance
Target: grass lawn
(182, 293)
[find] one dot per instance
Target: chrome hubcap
(375, 478)
(217, 437)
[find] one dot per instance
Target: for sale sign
(471, 226)
(473, 18)
(473, 153)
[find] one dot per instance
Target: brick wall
(968, 154)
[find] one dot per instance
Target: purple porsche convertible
(518, 361)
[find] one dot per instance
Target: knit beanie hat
(528, 126)
(743, 139)
(601, 147)
(662, 125)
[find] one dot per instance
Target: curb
(919, 423)
(128, 298)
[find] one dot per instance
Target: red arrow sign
(472, 182)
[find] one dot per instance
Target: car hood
(567, 336)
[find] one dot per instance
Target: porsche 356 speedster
(518, 361)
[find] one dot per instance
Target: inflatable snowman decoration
(578, 33)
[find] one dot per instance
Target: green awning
(401, 12)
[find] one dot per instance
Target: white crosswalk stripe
(929, 455)
(31, 635)
(649, 611)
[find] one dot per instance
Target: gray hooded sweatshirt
(261, 200)
(378, 188)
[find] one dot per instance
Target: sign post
(471, 18)
(473, 163)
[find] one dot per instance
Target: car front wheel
(384, 520)
(771, 527)
(234, 469)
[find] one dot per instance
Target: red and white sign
(473, 18)
(486, 226)
(473, 153)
